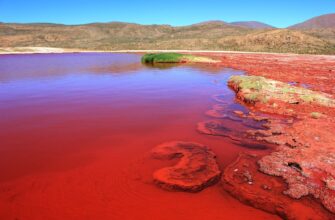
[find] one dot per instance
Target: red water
(76, 132)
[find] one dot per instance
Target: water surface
(76, 132)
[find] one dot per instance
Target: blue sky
(280, 13)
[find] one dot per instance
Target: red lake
(76, 133)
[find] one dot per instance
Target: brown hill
(213, 35)
(320, 22)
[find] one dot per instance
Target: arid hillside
(212, 35)
(320, 22)
(282, 41)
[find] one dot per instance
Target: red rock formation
(305, 157)
(196, 169)
(243, 180)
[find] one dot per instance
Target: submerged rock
(234, 131)
(196, 169)
(224, 112)
(219, 128)
(218, 111)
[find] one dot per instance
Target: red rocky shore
(305, 154)
(293, 96)
(316, 72)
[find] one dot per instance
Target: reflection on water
(15, 67)
(74, 127)
(161, 65)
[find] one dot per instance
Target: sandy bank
(42, 50)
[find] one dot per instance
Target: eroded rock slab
(196, 169)
(243, 180)
(305, 159)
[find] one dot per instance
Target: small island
(175, 58)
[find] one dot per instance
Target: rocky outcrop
(243, 180)
(196, 169)
(305, 153)
(305, 159)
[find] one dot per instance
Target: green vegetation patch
(260, 89)
(175, 58)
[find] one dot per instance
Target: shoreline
(52, 50)
(302, 135)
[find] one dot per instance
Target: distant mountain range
(244, 24)
(252, 25)
(315, 36)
